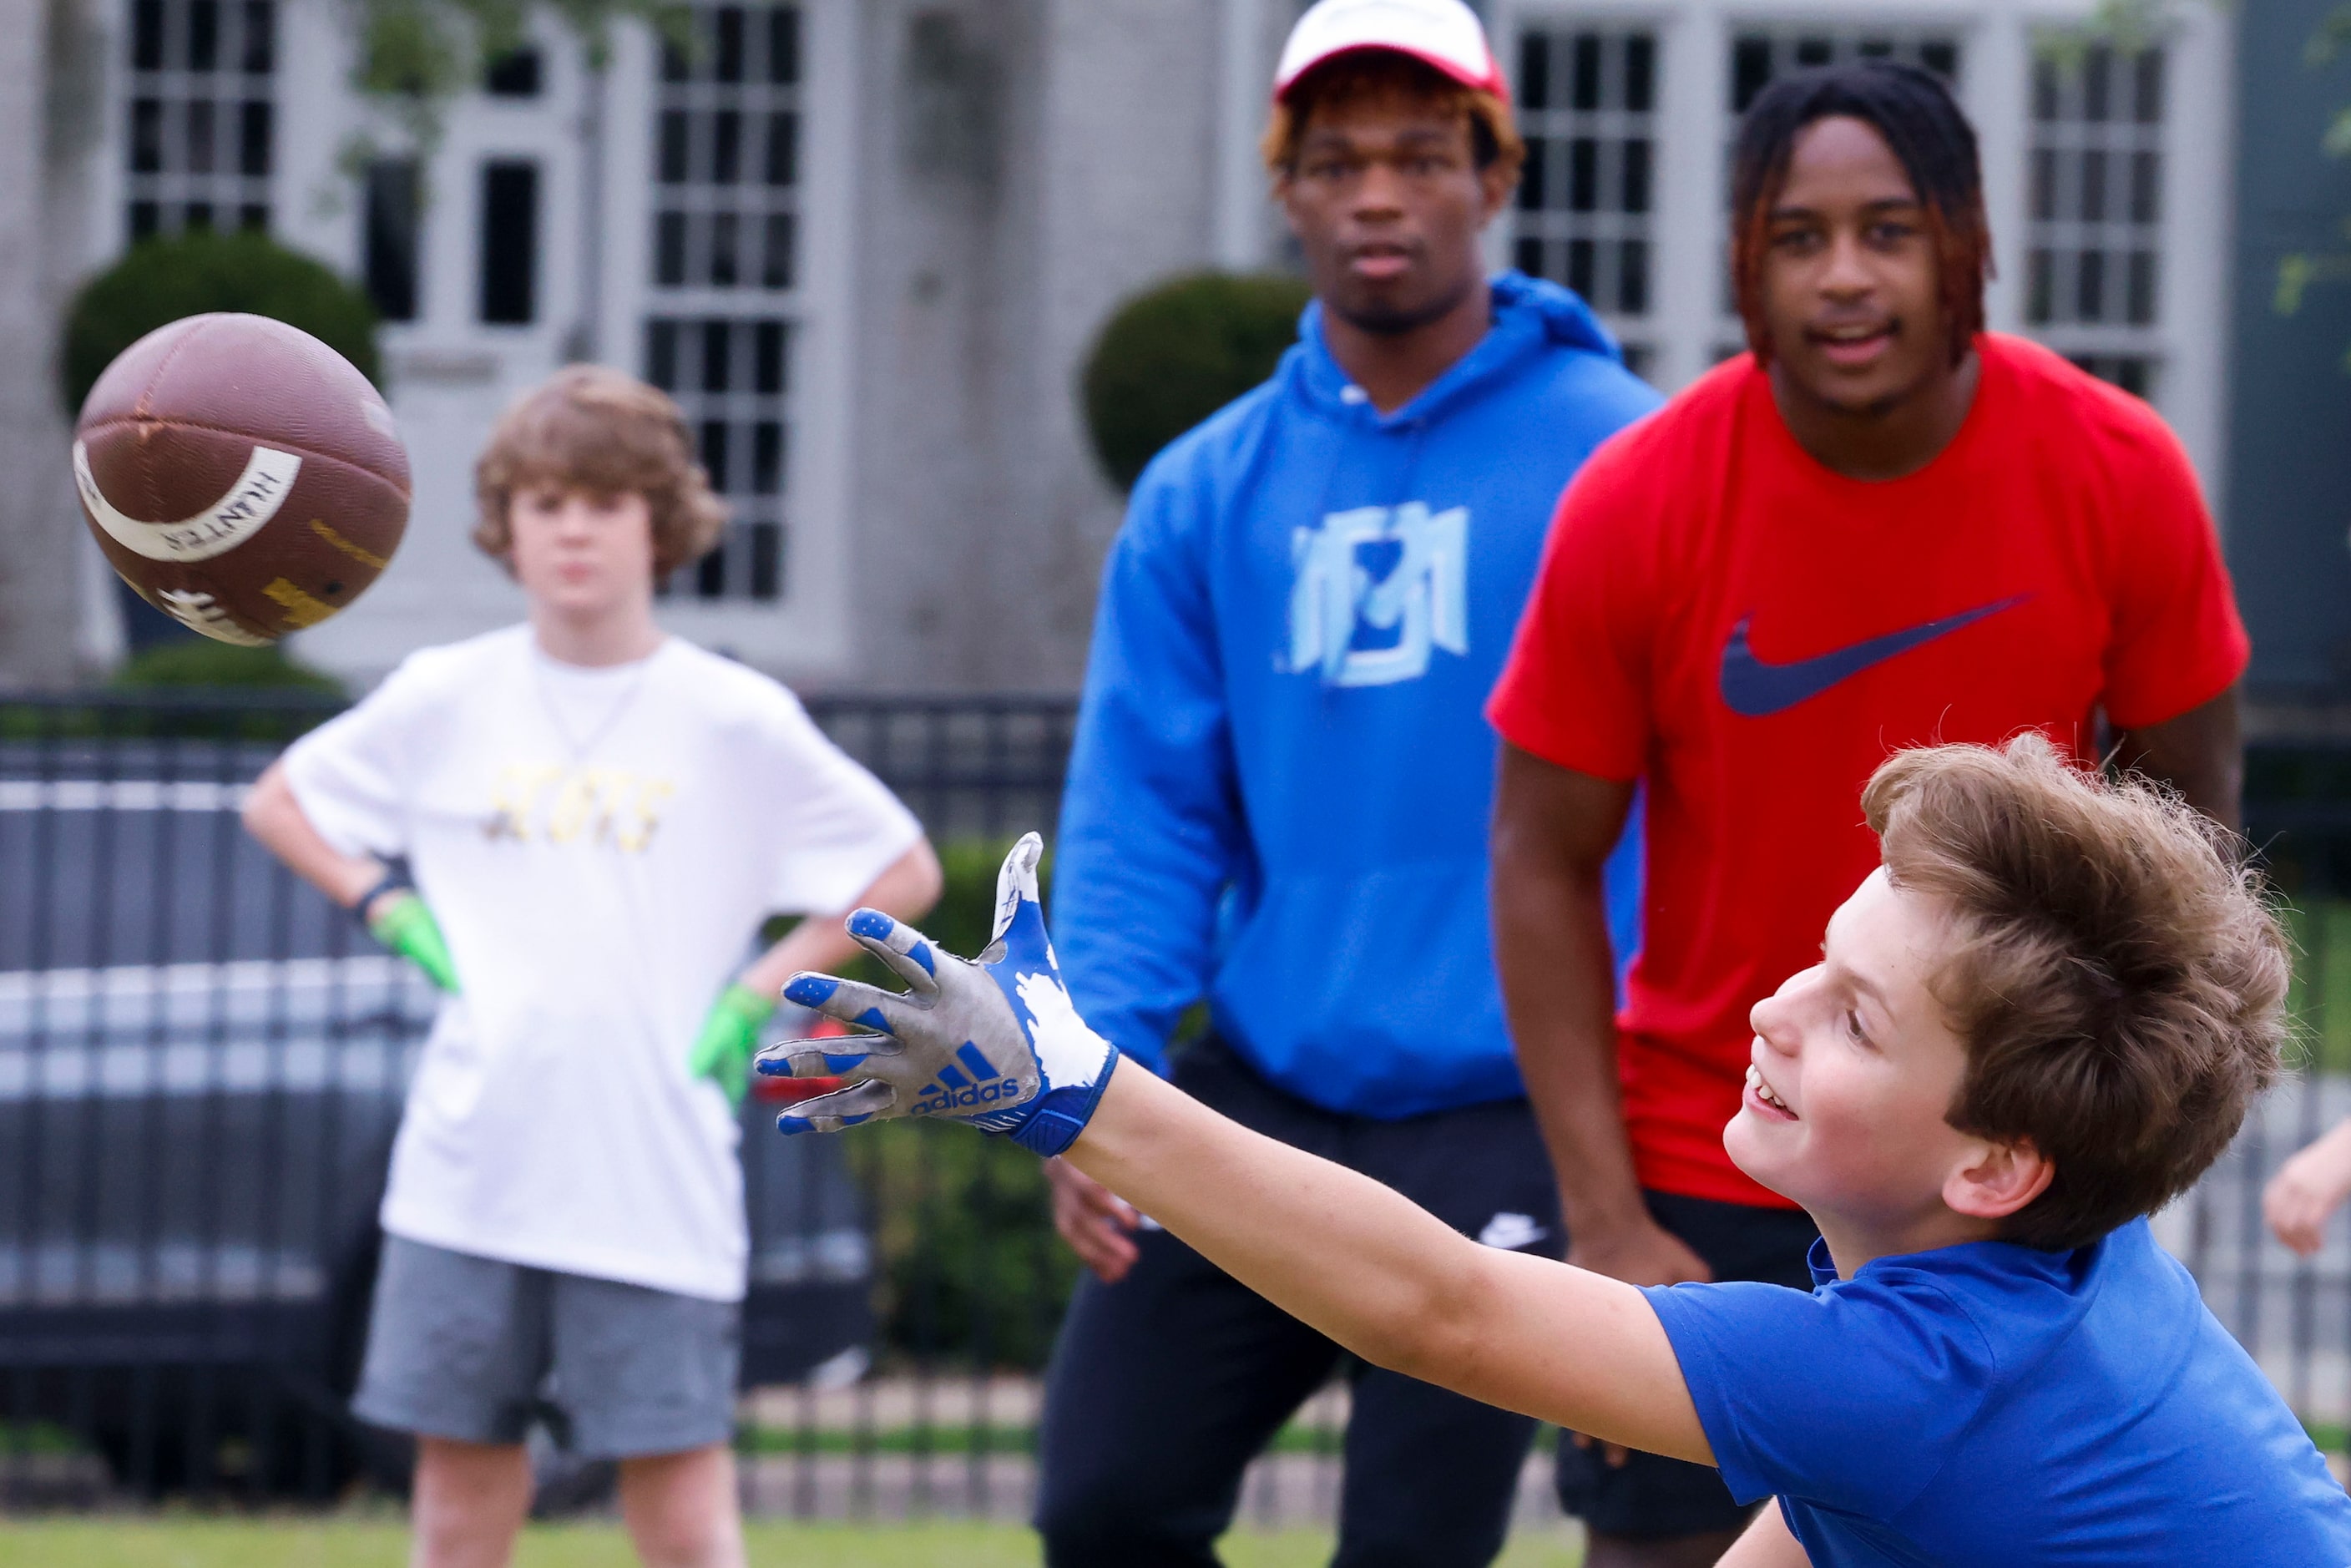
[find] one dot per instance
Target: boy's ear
(2000, 1180)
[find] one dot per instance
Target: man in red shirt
(1882, 527)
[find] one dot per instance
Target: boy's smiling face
(1853, 1068)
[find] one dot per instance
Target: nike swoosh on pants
(1754, 689)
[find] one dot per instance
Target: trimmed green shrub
(1177, 352)
(161, 280)
(201, 663)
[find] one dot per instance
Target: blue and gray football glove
(994, 1042)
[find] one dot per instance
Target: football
(241, 476)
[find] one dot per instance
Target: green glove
(404, 924)
(722, 1052)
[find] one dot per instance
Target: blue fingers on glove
(995, 1042)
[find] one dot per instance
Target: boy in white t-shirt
(599, 817)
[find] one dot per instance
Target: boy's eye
(1853, 1028)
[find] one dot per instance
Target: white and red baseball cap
(1442, 34)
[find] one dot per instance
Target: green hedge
(1177, 352)
(161, 280)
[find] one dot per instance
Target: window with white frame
(725, 254)
(1758, 55)
(1587, 107)
(2093, 279)
(203, 112)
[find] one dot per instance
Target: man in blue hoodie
(1278, 797)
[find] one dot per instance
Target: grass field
(382, 1543)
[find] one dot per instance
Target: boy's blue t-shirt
(1990, 1403)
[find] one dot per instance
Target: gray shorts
(475, 1350)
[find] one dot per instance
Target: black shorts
(1165, 1384)
(1649, 1495)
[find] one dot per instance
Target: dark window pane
(2094, 186)
(1534, 69)
(2147, 188)
(146, 136)
(710, 575)
(670, 160)
(147, 36)
(2097, 80)
(783, 149)
(714, 455)
(1751, 71)
(1640, 72)
(776, 265)
(198, 215)
(767, 457)
(669, 250)
(727, 58)
(1585, 83)
(767, 560)
(1529, 257)
(253, 138)
(767, 372)
(2140, 307)
(2040, 269)
(2043, 182)
(1942, 58)
(2046, 95)
(509, 243)
(514, 74)
(724, 228)
(1632, 277)
(1814, 51)
(390, 236)
(784, 46)
(661, 354)
(1582, 174)
(253, 217)
(677, 65)
(1636, 175)
(200, 149)
(203, 35)
(1580, 258)
(260, 37)
(718, 365)
(2148, 103)
(1637, 356)
(146, 218)
(1531, 177)
(726, 147)
(2090, 286)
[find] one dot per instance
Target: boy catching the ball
(599, 817)
(2040, 1018)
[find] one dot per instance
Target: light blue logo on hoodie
(1378, 588)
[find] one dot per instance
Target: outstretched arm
(1389, 1280)
(995, 1042)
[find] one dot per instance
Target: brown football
(241, 474)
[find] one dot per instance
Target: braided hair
(1913, 109)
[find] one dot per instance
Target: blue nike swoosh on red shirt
(1754, 689)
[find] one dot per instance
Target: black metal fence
(202, 1065)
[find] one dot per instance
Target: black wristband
(390, 882)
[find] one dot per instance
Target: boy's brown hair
(589, 427)
(2117, 976)
(1375, 73)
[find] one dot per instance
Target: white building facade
(866, 245)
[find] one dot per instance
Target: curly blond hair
(589, 427)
